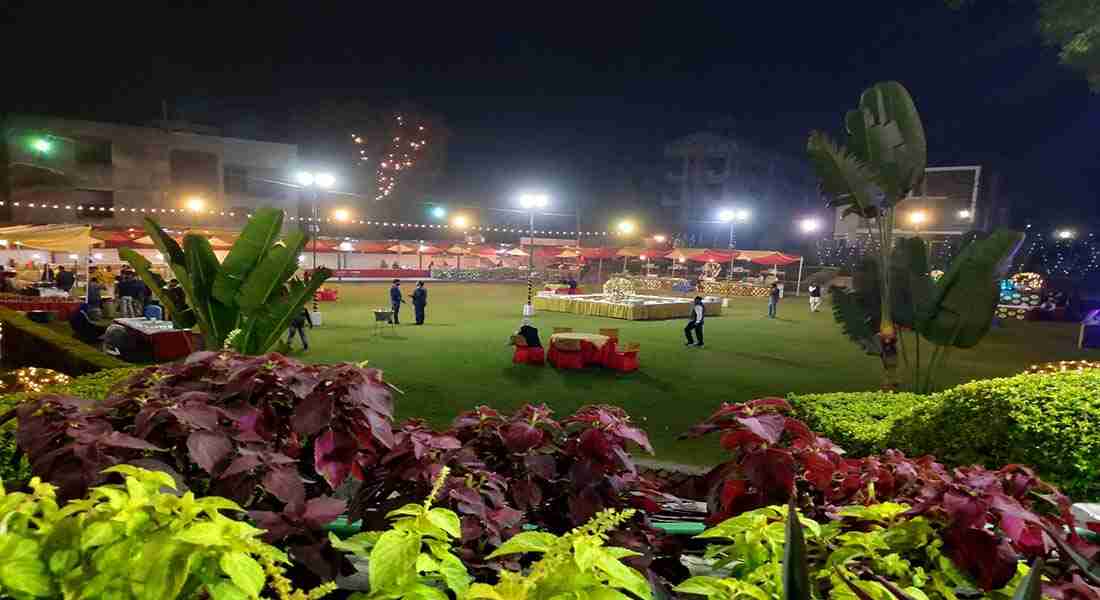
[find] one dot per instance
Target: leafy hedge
(32, 344)
(858, 421)
(1048, 420)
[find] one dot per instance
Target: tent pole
(798, 286)
(599, 271)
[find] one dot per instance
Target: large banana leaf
(202, 264)
(961, 312)
(251, 246)
(270, 273)
(845, 179)
(175, 258)
(854, 321)
(886, 134)
(183, 317)
(912, 287)
(265, 326)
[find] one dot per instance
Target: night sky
(568, 96)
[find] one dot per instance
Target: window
(94, 204)
(236, 180)
(93, 151)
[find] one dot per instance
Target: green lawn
(460, 358)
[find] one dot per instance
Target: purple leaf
(986, 557)
(542, 465)
(381, 428)
(333, 453)
(522, 437)
(323, 510)
(275, 524)
(121, 440)
(208, 449)
(767, 427)
(964, 510)
(285, 484)
(241, 464)
(312, 414)
(635, 435)
(196, 414)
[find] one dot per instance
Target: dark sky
(562, 94)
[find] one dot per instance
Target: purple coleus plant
(276, 435)
(989, 520)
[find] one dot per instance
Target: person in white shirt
(695, 323)
(815, 298)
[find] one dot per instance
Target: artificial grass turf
(460, 358)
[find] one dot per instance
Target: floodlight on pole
(196, 204)
(460, 221)
(725, 215)
(626, 227)
(964, 214)
(324, 180)
(304, 178)
(918, 217)
(342, 215)
(809, 225)
(439, 212)
(660, 239)
(1066, 234)
(533, 200)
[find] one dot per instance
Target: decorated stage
(635, 308)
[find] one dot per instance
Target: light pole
(733, 216)
(530, 202)
(625, 229)
(311, 182)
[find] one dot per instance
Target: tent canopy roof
(59, 238)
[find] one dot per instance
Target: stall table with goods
(167, 342)
(560, 288)
(619, 300)
(62, 306)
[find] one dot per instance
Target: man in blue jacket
(420, 300)
(396, 300)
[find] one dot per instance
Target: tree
(884, 160)
(1074, 26)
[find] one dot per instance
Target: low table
(168, 343)
(595, 348)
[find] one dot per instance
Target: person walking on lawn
(815, 297)
(420, 300)
(695, 323)
(396, 301)
(773, 300)
(298, 324)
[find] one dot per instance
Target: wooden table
(595, 348)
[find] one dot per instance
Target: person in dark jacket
(529, 333)
(396, 301)
(298, 324)
(695, 323)
(420, 300)
(65, 279)
(773, 300)
(815, 297)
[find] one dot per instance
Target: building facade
(707, 172)
(72, 171)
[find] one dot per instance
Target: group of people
(693, 331)
(419, 299)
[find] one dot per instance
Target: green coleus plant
(134, 540)
(873, 552)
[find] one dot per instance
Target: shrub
(135, 540)
(28, 343)
(1050, 421)
(859, 421)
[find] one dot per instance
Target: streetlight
(439, 212)
(964, 214)
(311, 181)
(1066, 234)
(809, 225)
(531, 201)
(341, 215)
(733, 216)
(195, 204)
(460, 222)
(918, 217)
(626, 227)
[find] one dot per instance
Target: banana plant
(954, 312)
(252, 294)
(884, 160)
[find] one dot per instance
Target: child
(773, 300)
(815, 298)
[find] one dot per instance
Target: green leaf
(585, 553)
(256, 239)
(484, 591)
(21, 567)
(203, 534)
(606, 594)
(225, 590)
(961, 312)
(844, 178)
(202, 265)
(99, 534)
(446, 520)
(887, 134)
(245, 572)
(419, 591)
(63, 561)
(267, 325)
(393, 560)
(455, 574)
(623, 577)
(170, 566)
(796, 573)
(269, 273)
(1029, 588)
(183, 317)
(854, 320)
(527, 541)
(409, 510)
